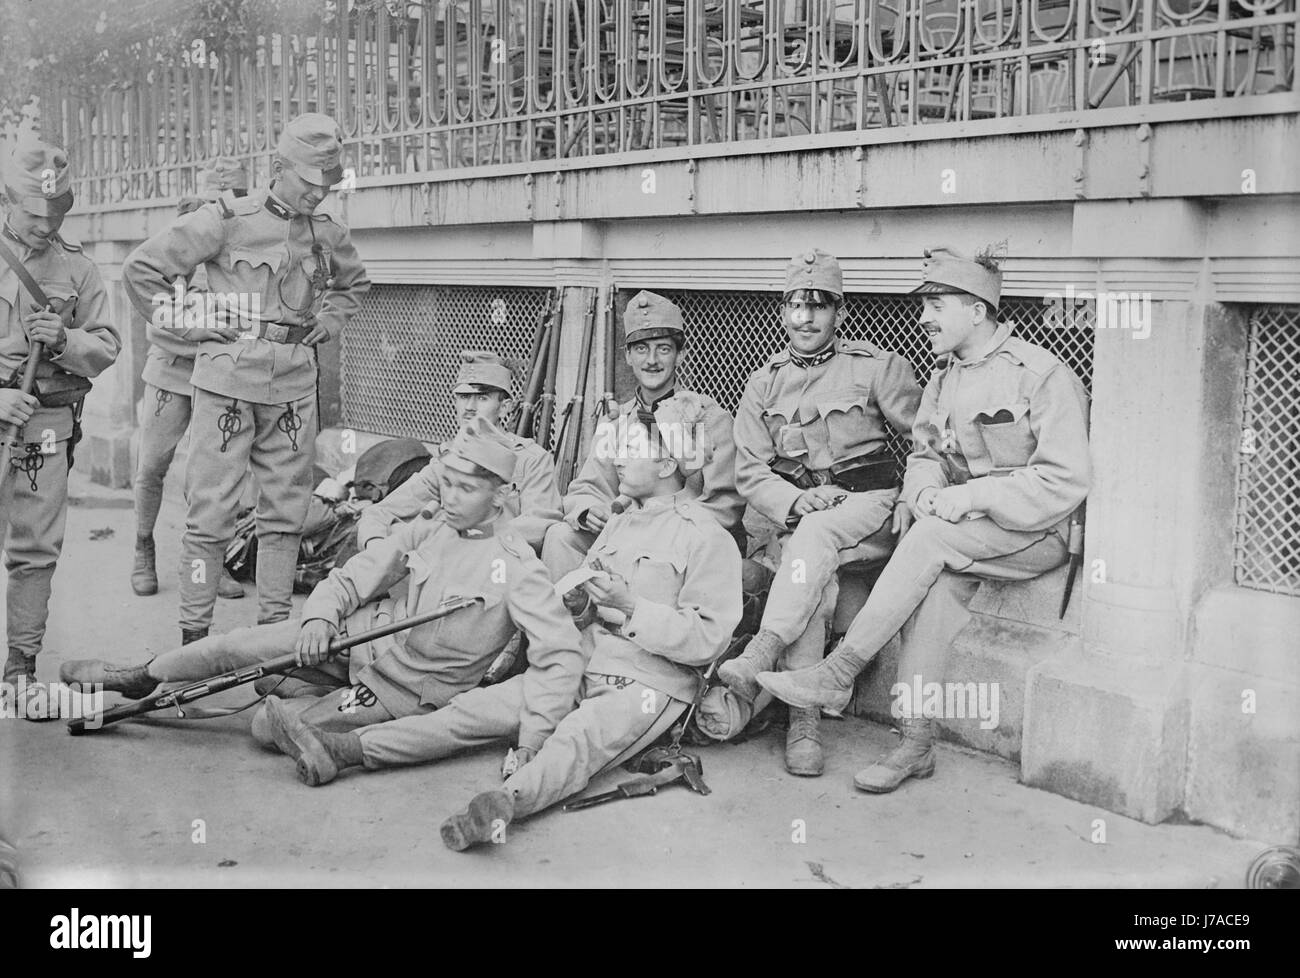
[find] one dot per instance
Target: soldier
(655, 338)
(661, 599)
(78, 342)
(811, 457)
(466, 552)
(167, 395)
(1000, 462)
(274, 257)
(482, 390)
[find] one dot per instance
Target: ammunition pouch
(795, 473)
(865, 473)
(61, 390)
(862, 473)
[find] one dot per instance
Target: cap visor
(471, 388)
(321, 178)
(934, 288)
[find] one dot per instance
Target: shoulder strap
(24, 276)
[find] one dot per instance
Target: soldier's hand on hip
(317, 336)
(47, 328)
(15, 406)
(314, 641)
(952, 503)
(902, 521)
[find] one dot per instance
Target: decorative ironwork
(1266, 544)
(472, 83)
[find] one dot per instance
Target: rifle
(571, 427)
(272, 667)
(608, 405)
(546, 404)
(536, 366)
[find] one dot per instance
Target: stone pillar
(1106, 719)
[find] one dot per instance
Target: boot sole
(835, 708)
(741, 679)
(314, 765)
(145, 591)
(921, 775)
(474, 825)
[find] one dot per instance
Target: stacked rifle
(537, 414)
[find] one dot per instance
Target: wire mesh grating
(400, 353)
(1266, 539)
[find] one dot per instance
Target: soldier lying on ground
(999, 464)
(482, 390)
(466, 552)
(664, 598)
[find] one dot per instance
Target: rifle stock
(9, 431)
(238, 677)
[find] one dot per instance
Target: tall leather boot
(803, 743)
(277, 559)
(320, 754)
(829, 684)
(144, 576)
(191, 635)
(741, 673)
(913, 758)
(228, 587)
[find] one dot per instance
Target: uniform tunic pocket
(1006, 433)
(846, 425)
(658, 575)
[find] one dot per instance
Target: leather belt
(289, 333)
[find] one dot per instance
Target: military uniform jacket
(713, 487)
(63, 272)
(260, 263)
(170, 359)
(1016, 412)
(684, 570)
(533, 505)
(818, 416)
(430, 664)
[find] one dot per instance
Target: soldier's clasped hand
(595, 518)
(819, 497)
(953, 503)
(15, 406)
(314, 641)
(612, 591)
(47, 328)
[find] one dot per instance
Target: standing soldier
(167, 394)
(275, 258)
(482, 390)
(467, 552)
(662, 599)
(1000, 462)
(77, 342)
(811, 457)
(655, 337)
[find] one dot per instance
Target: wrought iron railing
(476, 83)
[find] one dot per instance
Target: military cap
(652, 317)
(312, 144)
(481, 370)
(814, 270)
(222, 173)
(946, 270)
(478, 443)
(37, 177)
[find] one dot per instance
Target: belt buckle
(820, 477)
(276, 332)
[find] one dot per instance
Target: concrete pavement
(196, 803)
